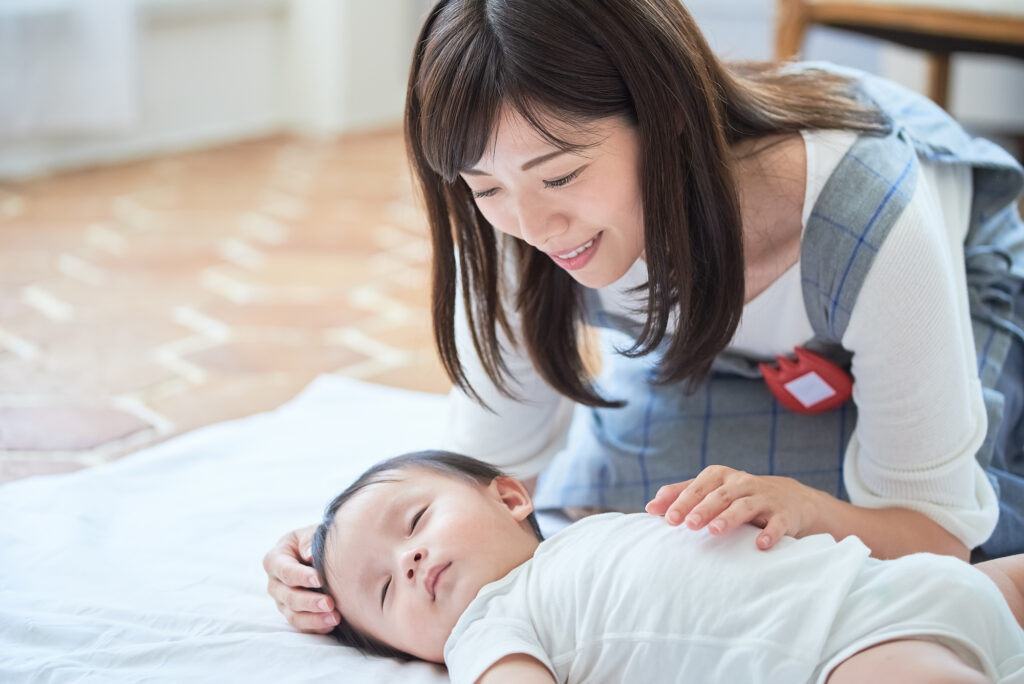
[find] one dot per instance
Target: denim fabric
(1006, 469)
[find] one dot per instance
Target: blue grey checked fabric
(618, 458)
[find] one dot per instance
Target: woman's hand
(723, 499)
(289, 576)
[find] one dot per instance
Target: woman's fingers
(722, 499)
(290, 581)
(305, 609)
(756, 510)
(665, 496)
(735, 487)
(704, 498)
(293, 573)
(299, 600)
(285, 564)
(738, 512)
(775, 530)
(304, 543)
(316, 623)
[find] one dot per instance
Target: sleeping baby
(437, 556)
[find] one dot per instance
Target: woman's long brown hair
(562, 64)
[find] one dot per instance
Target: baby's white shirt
(628, 598)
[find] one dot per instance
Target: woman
(594, 163)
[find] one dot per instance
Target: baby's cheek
(430, 636)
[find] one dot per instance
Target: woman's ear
(512, 493)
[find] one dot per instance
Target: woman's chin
(595, 278)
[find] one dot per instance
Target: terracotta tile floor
(144, 300)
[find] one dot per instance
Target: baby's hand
(722, 499)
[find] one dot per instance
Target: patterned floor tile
(141, 300)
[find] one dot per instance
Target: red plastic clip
(811, 384)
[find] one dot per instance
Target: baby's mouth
(432, 579)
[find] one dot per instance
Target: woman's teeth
(579, 250)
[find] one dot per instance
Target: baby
(437, 556)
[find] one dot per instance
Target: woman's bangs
(459, 87)
(564, 130)
(455, 131)
(473, 72)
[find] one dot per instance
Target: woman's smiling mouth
(579, 257)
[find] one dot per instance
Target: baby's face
(404, 558)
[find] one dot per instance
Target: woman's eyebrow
(525, 167)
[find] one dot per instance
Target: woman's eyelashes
(564, 180)
(555, 183)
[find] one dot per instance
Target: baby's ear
(513, 494)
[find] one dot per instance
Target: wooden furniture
(939, 28)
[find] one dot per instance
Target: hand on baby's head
(406, 548)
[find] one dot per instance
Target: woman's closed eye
(553, 183)
(483, 193)
(564, 180)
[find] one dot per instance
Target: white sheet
(149, 569)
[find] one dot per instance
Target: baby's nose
(416, 558)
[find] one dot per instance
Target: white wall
(216, 71)
(208, 72)
(348, 63)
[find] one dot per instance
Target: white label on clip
(809, 389)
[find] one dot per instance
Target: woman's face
(582, 208)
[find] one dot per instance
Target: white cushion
(1000, 7)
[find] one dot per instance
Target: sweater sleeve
(521, 434)
(921, 417)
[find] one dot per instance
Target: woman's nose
(412, 559)
(539, 223)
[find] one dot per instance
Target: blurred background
(205, 203)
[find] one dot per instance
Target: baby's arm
(1008, 575)
(906, 661)
(517, 668)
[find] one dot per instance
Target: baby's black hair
(445, 462)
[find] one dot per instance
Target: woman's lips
(580, 256)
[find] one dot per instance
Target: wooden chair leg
(938, 78)
(790, 26)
